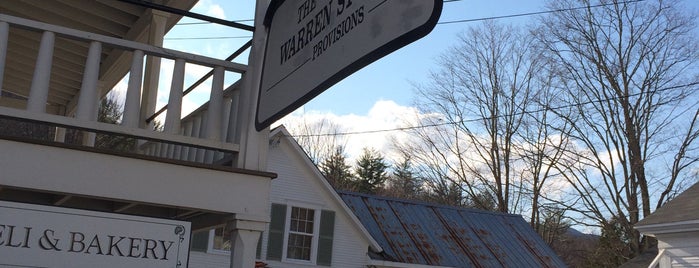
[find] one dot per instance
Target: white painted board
(45, 236)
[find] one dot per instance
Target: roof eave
(666, 228)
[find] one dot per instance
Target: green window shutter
(275, 239)
(325, 238)
(200, 241)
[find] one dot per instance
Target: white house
(676, 226)
(63, 193)
(312, 225)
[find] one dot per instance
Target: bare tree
(318, 137)
(482, 92)
(627, 70)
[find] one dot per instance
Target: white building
(57, 60)
(326, 233)
(676, 226)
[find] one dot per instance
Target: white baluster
(4, 35)
(174, 105)
(215, 112)
(196, 131)
(202, 134)
(184, 153)
(39, 91)
(87, 102)
(233, 117)
(213, 126)
(133, 93)
(227, 103)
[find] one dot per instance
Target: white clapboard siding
(298, 182)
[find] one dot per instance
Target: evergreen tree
(370, 171)
(110, 111)
(336, 170)
(403, 183)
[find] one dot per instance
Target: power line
(209, 38)
(479, 119)
(537, 13)
(443, 22)
(206, 22)
(251, 20)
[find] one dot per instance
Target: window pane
(294, 213)
(301, 220)
(299, 247)
(300, 240)
(309, 221)
(294, 225)
(221, 241)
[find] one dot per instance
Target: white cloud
(210, 9)
(384, 115)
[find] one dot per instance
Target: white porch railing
(206, 136)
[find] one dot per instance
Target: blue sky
(386, 79)
(390, 78)
(374, 98)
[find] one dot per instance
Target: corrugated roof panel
(431, 237)
(536, 245)
(396, 235)
(357, 205)
(421, 233)
(485, 227)
(472, 245)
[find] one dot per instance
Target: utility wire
(438, 23)
(538, 12)
(480, 119)
(206, 22)
(209, 38)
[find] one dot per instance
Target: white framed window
(301, 234)
(218, 241)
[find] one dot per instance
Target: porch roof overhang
(105, 17)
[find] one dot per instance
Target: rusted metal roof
(429, 234)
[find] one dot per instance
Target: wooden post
(4, 35)
(39, 91)
(215, 111)
(244, 238)
(174, 105)
(87, 103)
(152, 75)
(253, 144)
(133, 92)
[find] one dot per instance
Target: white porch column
(244, 237)
(253, 144)
(152, 75)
